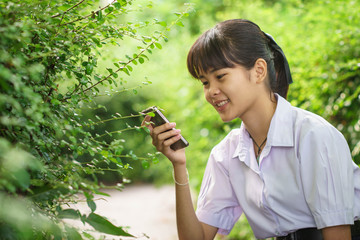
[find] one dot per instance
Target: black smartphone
(159, 119)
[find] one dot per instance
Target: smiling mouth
(222, 103)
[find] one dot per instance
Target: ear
(260, 70)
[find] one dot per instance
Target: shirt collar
(280, 133)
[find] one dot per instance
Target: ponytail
(280, 82)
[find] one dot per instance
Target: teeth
(222, 103)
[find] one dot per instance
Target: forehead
(235, 67)
(211, 70)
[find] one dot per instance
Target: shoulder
(225, 149)
(309, 123)
(311, 128)
(231, 139)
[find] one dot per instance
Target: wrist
(180, 174)
(179, 166)
(182, 182)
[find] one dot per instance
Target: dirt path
(149, 212)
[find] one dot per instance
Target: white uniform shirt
(305, 177)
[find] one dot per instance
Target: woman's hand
(162, 137)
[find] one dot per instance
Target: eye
(220, 76)
(204, 83)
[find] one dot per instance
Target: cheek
(207, 95)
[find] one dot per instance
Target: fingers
(165, 135)
(163, 128)
(162, 136)
(168, 142)
(168, 134)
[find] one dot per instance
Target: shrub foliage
(49, 70)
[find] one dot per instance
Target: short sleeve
(327, 176)
(217, 204)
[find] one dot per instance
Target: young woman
(288, 170)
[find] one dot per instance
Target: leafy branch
(126, 65)
(92, 14)
(68, 10)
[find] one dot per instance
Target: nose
(214, 90)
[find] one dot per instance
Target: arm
(341, 232)
(189, 227)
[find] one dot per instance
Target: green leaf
(145, 164)
(151, 114)
(97, 78)
(117, 5)
(122, 2)
(83, 80)
(89, 68)
(64, 7)
(88, 235)
(126, 71)
(55, 101)
(99, 16)
(69, 213)
(75, 98)
(101, 193)
(180, 24)
(101, 224)
(162, 23)
(91, 204)
(72, 233)
(155, 160)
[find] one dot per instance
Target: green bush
(50, 70)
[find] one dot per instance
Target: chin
(227, 119)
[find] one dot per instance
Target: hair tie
(276, 47)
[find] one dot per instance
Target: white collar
(280, 132)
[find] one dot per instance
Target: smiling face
(231, 91)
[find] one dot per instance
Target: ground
(147, 211)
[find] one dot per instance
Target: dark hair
(237, 41)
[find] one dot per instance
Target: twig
(118, 131)
(89, 15)
(54, 16)
(111, 119)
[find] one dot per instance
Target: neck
(257, 121)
